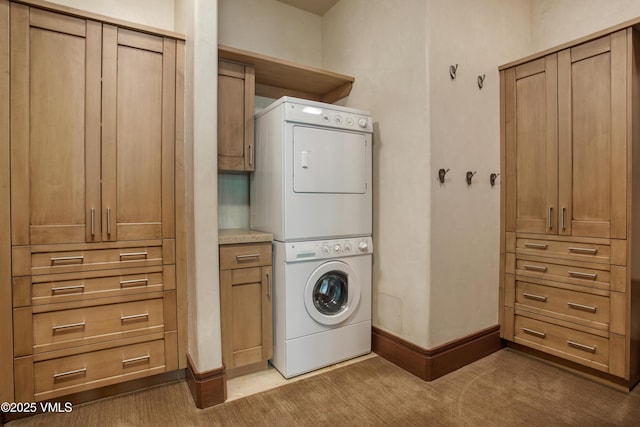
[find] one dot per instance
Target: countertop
(232, 236)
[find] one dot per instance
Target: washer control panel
(325, 249)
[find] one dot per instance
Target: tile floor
(269, 378)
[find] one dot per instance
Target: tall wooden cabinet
(571, 158)
(93, 210)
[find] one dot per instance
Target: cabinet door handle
(564, 211)
(109, 221)
(79, 288)
(69, 326)
(243, 257)
(550, 218)
(68, 259)
(250, 155)
(136, 359)
(534, 297)
(591, 276)
(588, 308)
(534, 332)
(134, 254)
(66, 374)
(535, 267)
(592, 251)
(136, 282)
(535, 245)
(134, 316)
(583, 347)
(93, 222)
(268, 285)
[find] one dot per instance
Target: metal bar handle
(535, 267)
(534, 297)
(69, 326)
(109, 221)
(68, 259)
(592, 251)
(136, 359)
(129, 283)
(268, 285)
(134, 316)
(67, 288)
(550, 218)
(588, 308)
(583, 347)
(535, 245)
(66, 374)
(534, 332)
(582, 275)
(564, 211)
(93, 222)
(250, 155)
(241, 257)
(134, 254)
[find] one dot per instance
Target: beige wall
(554, 22)
(383, 45)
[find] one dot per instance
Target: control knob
(325, 250)
(336, 248)
(363, 246)
(347, 247)
(362, 123)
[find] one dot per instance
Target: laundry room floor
(269, 378)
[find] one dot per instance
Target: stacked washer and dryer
(311, 189)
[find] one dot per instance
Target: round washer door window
(332, 293)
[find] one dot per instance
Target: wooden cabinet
(245, 303)
(92, 152)
(236, 91)
(569, 146)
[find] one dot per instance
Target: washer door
(332, 293)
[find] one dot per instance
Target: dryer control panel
(328, 249)
(316, 113)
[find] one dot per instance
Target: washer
(312, 177)
(322, 303)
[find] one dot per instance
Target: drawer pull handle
(79, 288)
(592, 276)
(136, 359)
(534, 297)
(534, 332)
(69, 326)
(535, 267)
(132, 283)
(134, 316)
(68, 259)
(583, 347)
(66, 374)
(134, 254)
(591, 251)
(243, 257)
(582, 307)
(535, 245)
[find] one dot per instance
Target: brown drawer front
(578, 275)
(57, 377)
(580, 307)
(245, 255)
(83, 326)
(99, 287)
(65, 262)
(581, 347)
(569, 250)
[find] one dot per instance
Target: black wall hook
(492, 178)
(453, 69)
(470, 176)
(441, 174)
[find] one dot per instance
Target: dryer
(321, 303)
(312, 177)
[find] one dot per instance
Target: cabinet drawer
(98, 259)
(83, 326)
(83, 289)
(66, 375)
(593, 275)
(589, 252)
(578, 346)
(564, 304)
(245, 255)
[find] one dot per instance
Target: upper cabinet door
(138, 135)
(592, 91)
(55, 127)
(531, 146)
